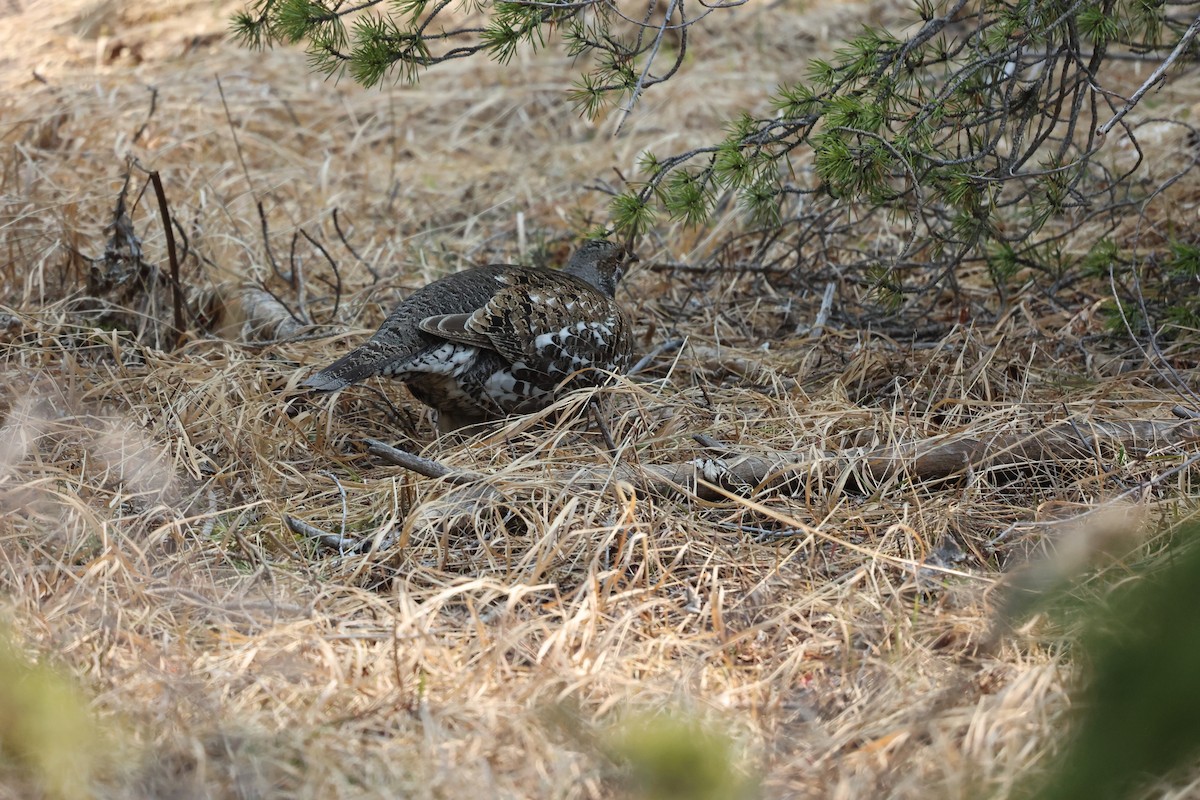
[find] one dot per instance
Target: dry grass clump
(824, 634)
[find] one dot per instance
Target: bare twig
(419, 464)
(149, 115)
(594, 408)
(639, 87)
(299, 287)
(1183, 412)
(341, 493)
(645, 361)
(1154, 78)
(818, 326)
(237, 146)
(337, 226)
(172, 256)
(339, 542)
(337, 276)
(709, 443)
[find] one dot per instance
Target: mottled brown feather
(500, 339)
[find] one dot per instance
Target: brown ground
(494, 653)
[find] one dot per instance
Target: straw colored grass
(839, 637)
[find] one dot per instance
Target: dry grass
(497, 648)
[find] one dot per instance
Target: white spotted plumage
(500, 339)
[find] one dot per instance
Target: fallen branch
(339, 542)
(937, 458)
(419, 464)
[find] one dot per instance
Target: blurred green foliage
(48, 738)
(668, 757)
(1136, 717)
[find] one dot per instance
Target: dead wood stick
(1183, 412)
(339, 542)
(931, 459)
(422, 466)
(172, 256)
(935, 458)
(943, 456)
(646, 360)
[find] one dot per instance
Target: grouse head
(601, 263)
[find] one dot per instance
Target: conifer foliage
(985, 135)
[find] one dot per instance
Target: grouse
(499, 339)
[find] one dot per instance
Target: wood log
(941, 457)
